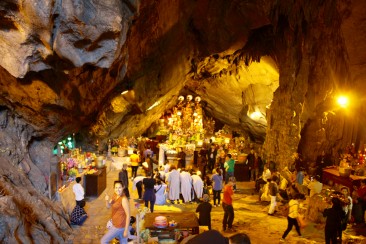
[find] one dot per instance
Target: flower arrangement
(71, 163)
(73, 172)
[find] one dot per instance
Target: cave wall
(54, 75)
(313, 70)
(65, 64)
(27, 213)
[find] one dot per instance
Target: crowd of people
(167, 184)
(214, 174)
(296, 186)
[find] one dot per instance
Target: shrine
(239, 107)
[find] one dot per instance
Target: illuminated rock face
(64, 65)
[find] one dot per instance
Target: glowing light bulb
(342, 101)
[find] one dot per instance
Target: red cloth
(362, 192)
(228, 192)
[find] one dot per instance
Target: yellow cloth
(134, 159)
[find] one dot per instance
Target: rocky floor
(250, 217)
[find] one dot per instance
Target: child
(204, 210)
(273, 191)
(293, 213)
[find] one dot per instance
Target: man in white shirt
(315, 186)
(263, 180)
(79, 192)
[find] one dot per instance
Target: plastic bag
(109, 224)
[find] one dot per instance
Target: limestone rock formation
(64, 65)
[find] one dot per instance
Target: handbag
(158, 189)
(109, 224)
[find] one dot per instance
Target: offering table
(187, 221)
(96, 183)
(333, 175)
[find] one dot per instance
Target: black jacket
(123, 176)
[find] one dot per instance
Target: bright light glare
(255, 115)
(124, 92)
(342, 101)
(154, 105)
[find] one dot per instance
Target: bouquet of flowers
(71, 163)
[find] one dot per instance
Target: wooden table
(187, 221)
(96, 183)
(333, 174)
(241, 172)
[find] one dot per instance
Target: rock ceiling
(65, 63)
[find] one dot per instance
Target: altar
(333, 175)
